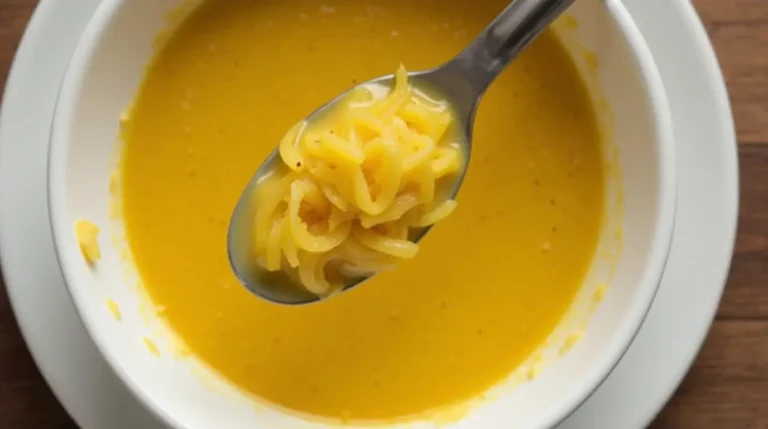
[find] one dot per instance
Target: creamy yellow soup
(489, 283)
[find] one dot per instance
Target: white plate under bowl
(631, 396)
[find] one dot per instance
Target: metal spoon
(462, 81)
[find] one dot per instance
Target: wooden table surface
(727, 387)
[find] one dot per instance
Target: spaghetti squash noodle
(356, 185)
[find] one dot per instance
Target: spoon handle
(504, 39)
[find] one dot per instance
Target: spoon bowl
(461, 81)
(274, 286)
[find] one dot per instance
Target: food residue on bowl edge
(114, 309)
(87, 234)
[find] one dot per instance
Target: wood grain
(747, 295)
(14, 15)
(727, 386)
(739, 32)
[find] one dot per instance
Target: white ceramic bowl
(102, 79)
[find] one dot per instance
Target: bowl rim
(666, 211)
(622, 336)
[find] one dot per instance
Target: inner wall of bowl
(190, 393)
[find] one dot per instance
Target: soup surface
(490, 282)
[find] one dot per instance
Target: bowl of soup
(516, 306)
